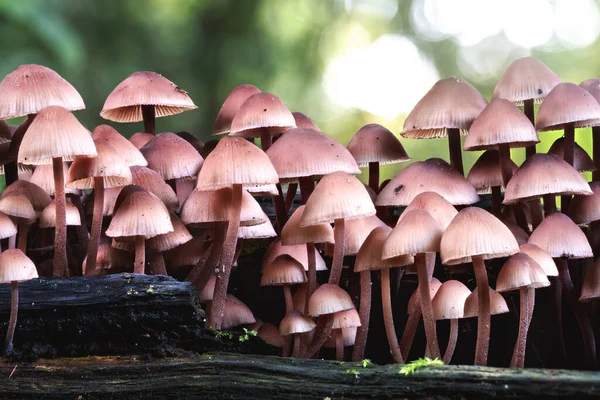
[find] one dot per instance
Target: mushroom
(593, 87)
(486, 176)
(294, 323)
(449, 303)
(230, 107)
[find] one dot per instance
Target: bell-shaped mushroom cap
(521, 236)
(526, 78)
(269, 333)
(7, 226)
(168, 241)
(355, 234)
(297, 251)
(497, 304)
(434, 286)
(31, 88)
(348, 338)
(449, 300)
(236, 161)
(184, 189)
(374, 143)
(283, 270)
(187, 254)
(558, 236)
(230, 107)
(500, 123)
(438, 207)
(55, 132)
(544, 174)
(43, 176)
(108, 258)
(293, 233)
(124, 103)
(206, 207)
(433, 175)
(346, 319)
(338, 195)
(139, 139)
(309, 153)
(207, 292)
(108, 165)
(126, 149)
(172, 157)
(592, 86)
(37, 196)
(566, 104)
(295, 322)
(541, 257)
(369, 256)
(303, 121)
(590, 286)
(261, 231)
(582, 162)
(416, 233)
(152, 182)
(236, 313)
(452, 103)
(16, 266)
(476, 232)
(329, 299)
(486, 172)
(48, 216)
(18, 205)
(261, 110)
(140, 214)
(520, 271)
(586, 209)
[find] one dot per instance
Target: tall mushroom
(53, 137)
(475, 235)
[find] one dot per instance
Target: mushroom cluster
(166, 203)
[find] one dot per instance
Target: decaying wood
(234, 376)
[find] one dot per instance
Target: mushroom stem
(311, 253)
(339, 344)
(568, 155)
(23, 228)
(414, 316)
(289, 303)
(296, 348)
(483, 319)
(205, 268)
(12, 322)
(290, 195)
(12, 241)
(11, 169)
(140, 255)
(452, 339)
(505, 167)
(536, 213)
(266, 140)
(529, 113)
(338, 252)
(358, 352)
(426, 307)
(496, 201)
(596, 152)
(82, 233)
(549, 204)
(307, 185)
(322, 332)
(60, 236)
(149, 116)
(96, 229)
(527, 301)
(555, 300)
(589, 341)
(227, 256)
(280, 209)
(374, 176)
(388, 317)
(287, 346)
(157, 264)
(454, 147)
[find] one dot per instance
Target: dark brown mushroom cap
(31, 88)
(566, 104)
(543, 174)
(451, 103)
(501, 122)
(230, 107)
(124, 103)
(375, 143)
(582, 162)
(433, 175)
(486, 172)
(526, 78)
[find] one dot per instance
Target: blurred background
(345, 63)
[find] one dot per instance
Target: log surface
(234, 376)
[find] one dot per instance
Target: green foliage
(419, 364)
(366, 363)
(354, 372)
(246, 335)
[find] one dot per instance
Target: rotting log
(112, 315)
(234, 376)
